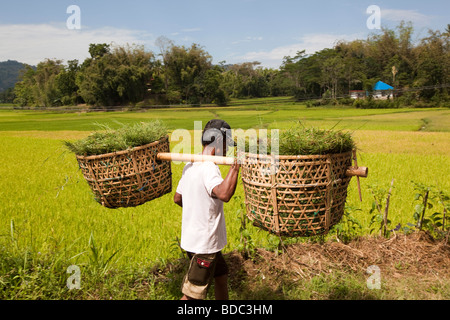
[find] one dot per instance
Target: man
(201, 193)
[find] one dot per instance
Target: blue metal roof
(380, 85)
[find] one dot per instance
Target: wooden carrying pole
(182, 157)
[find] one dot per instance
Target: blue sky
(233, 31)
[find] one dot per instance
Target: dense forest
(130, 75)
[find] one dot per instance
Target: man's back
(203, 222)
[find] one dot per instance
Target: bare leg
(221, 287)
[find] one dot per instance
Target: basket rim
(294, 157)
(121, 152)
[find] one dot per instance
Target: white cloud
(310, 43)
(397, 15)
(247, 39)
(183, 34)
(191, 30)
(33, 43)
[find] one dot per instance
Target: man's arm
(226, 189)
(178, 199)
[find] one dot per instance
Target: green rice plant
(97, 258)
(380, 208)
(246, 243)
(432, 198)
(349, 227)
(47, 213)
(299, 140)
(109, 140)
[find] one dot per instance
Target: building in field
(382, 91)
(358, 94)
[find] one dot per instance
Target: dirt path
(410, 266)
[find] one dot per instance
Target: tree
(66, 83)
(7, 96)
(353, 72)
(23, 89)
(211, 89)
(186, 69)
(246, 80)
(129, 74)
(117, 77)
(295, 70)
(47, 89)
(164, 44)
(38, 87)
(332, 71)
(98, 50)
(433, 62)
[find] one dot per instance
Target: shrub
(345, 101)
(376, 104)
(358, 103)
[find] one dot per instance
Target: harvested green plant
(312, 141)
(110, 140)
(299, 140)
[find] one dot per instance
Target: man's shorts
(202, 269)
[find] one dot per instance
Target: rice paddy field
(48, 213)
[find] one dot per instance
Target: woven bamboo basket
(295, 196)
(128, 178)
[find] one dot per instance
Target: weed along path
(401, 267)
(50, 221)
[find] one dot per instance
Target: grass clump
(299, 140)
(312, 141)
(110, 140)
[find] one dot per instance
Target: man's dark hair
(217, 131)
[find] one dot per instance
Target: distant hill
(9, 73)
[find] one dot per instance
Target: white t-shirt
(203, 222)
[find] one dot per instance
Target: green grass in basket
(299, 140)
(312, 141)
(110, 140)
